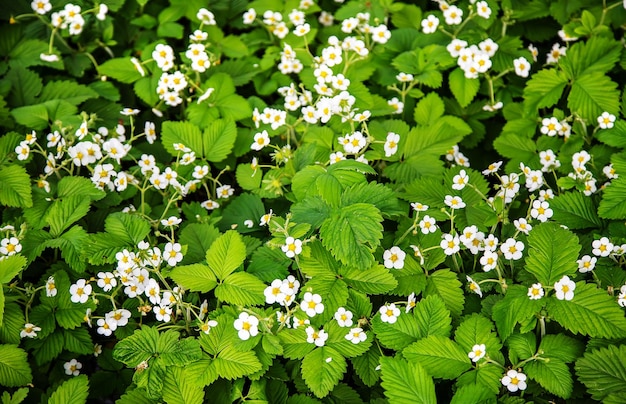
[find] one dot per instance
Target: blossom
(514, 381)
(246, 326)
(261, 140)
(210, 205)
(602, 247)
(430, 24)
(550, 126)
(621, 298)
(477, 353)
(522, 67)
(483, 10)
(129, 112)
(450, 244)
(249, 16)
(453, 15)
(316, 337)
(80, 291)
(171, 221)
(493, 168)
(454, 202)
(535, 292)
(225, 191)
(474, 286)
(273, 293)
(162, 313)
(606, 120)
(10, 246)
(41, 6)
(356, 335)
(522, 225)
(411, 302)
(555, 53)
(394, 258)
(489, 260)
(512, 249)
(564, 288)
(106, 281)
(391, 144)
(172, 254)
(207, 326)
(541, 210)
(312, 304)
(586, 263)
(29, 331)
(343, 317)
(389, 313)
(103, 9)
(428, 224)
(49, 57)
(292, 247)
(106, 326)
(396, 104)
(51, 289)
(206, 17)
(460, 180)
(72, 368)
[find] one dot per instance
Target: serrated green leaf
(294, 343)
(592, 94)
(603, 371)
(15, 188)
(432, 317)
(486, 376)
(406, 382)
(74, 390)
(151, 379)
(178, 388)
(553, 375)
(12, 324)
(575, 211)
(320, 374)
(14, 368)
(463, 89)
(268, 264)
(477, 329)
(71, 243)
(436, 139)
(352, 232)
(248, 178)
(591, 312)
(544, 89)
(121, 69)
(399, 334)
(136, 396)
(242, 289)
(515, 146)
(47, 349)
(515, 308)
(185, 133)
(552, 253)
(198, 238)
(194, 277)
(26, 85)
(232, 364)
(242, 208)
(130, 228)
(226, 254)
(439, 356)
(79, 186)
(218, 139)
(365, 366)
(444, 283)
(521, 346)
(472, 393)
(69, 91)
(561, 347)
(598, 54)
(613, 205)
(65, 212)
(10, 266)
(375, 193)
(333, 291)
(429, 109)
(139, 347)
(78, 341)
(377, 279)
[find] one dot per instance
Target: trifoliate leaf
(574, 210)
(463, 89)
(139, 347)
(432, 317)
(521, 346)
(544, 89)
(444, 283)
(603, 371)
(15, 188)
(226, 254)
(376, 280)
(553, 375)
(591, 312)
(552, 253)
(218, 140)
(242, 289)
(352, 232)
(14, 368)
(598, 54)
(65, 212)
(130, 228)
(613, 204)
(194, 277)
(592, 94)
(322, 369)
(439, 356)
(406, 382)
(74, 390)
(232, 364)
(313, 210)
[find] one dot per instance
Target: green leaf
(79, 186)
(130, 228)
(121, 69)
(294, 343)
(603, 371)
(10, 266)
(477, 329)
(598, 54)
(74, 390)
(463, 89)
(436, 139)
(439, 356)
(320, 374)
(352, 232)
(232, 364)
(333, 291)
(486, 376)
(432, 317)
(242, 289)
(552, 253)
(399, 334)
(14, 368)
(377, 279)
(365, 366)
(78, 341)
(248, 178)
(185, 133)
(561, 347)
(473, 393)
(26, 85)
(612, 205)
(47, 349)
(429, 109)
(15, 188)
(591, 312)
(521, 346)
(445, 284)
(514, 146)
(198, 237)
(136, 396)
(65, 212)
(515, 308)
(218, 139)
(139, 347)
(406, 382)
(544, 89)
(592, 94)
(553, 375)
(69, 91)
(241, 208)
(178, 388)
(226, 254)
(19, 396)
(151, 379)
(379, 195)
(575, 211)
(12, 324)
(194, 277)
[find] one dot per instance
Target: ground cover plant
(312, 201)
